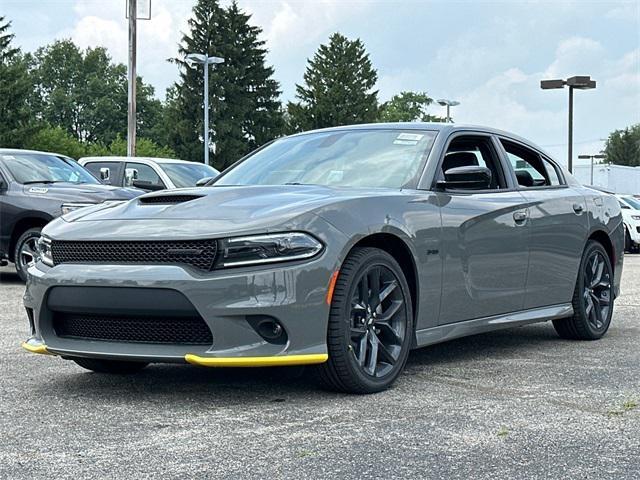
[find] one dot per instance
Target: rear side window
(532, 170)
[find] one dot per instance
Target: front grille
(198, 253)
(169, 199)
(133, 329)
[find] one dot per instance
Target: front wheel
(370, 324)
(110, 366)
(26, 251)
(592, 298)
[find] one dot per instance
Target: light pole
(448, 103)
(587, 157)
(205, 60)
(581, 83)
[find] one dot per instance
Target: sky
(488, 55)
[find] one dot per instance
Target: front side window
(141, 176)
(187, 174)
(29, 168)
(350, 158)
(474, 151)
(531, 169)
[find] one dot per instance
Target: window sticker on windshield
(410, 136)
(405, 142)
(8, 157)
(38, 190)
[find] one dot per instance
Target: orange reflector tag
(332, 286)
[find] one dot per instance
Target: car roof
(132, 159)
(9, 151)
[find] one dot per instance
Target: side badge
(38, 190)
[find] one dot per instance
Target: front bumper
(294, 294)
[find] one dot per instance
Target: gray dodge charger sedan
(344, 248)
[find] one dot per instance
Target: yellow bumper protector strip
(41, 348)
(274, 361)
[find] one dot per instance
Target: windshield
(45, 168)
(186, 175)
(350, 158)
(635, 204)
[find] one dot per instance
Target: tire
(25, 251)
(368, 347)
(592, 302)
(110, 366)
(628, 244)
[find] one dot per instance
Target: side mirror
(141, 184)
(104, 174)
(3, 184)
(203, 181)
(130, 174)
(472, 177)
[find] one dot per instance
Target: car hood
(79, 193)
(215, 210)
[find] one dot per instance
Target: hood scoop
(168, 199)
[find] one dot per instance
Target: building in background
(612, 178)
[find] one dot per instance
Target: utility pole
(131, 79)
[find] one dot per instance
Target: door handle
(578, 208)
(520, 216)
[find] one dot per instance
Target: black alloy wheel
(592, 298)
(370, 324)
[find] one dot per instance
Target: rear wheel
(110, 366)
(370, 324)
(592, 298)
(26, 251)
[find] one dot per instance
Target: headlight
(44, 248)
(635, 217)
(70, 207)
(259, 249)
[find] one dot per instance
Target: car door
(484, 241)
(558, 222)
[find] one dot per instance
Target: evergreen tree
(15, 88)
(338, 87)
(243, 96)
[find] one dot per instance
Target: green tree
(338, 87)
(16, 121)
(243, 96)
(86, 94)
(623, 146)
(144, 148)
(408, 107)
(56, 140)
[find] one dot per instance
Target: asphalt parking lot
(520, 403)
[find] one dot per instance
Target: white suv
(148, 173)
(631, 216)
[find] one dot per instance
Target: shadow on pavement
(8, 276)
(180, 383)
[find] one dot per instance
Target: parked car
(149, 173)
(36, 187)
(631, 216)
(341, 248)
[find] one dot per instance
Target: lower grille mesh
(162, 330)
